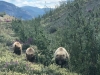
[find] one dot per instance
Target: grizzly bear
(30, 54)
(61, 57)
(17, 47)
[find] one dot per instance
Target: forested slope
(75, 26)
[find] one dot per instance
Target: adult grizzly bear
(30, 54)
(17, 48)
(61, 57)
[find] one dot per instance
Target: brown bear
(30, 54)
(61, 57)
(17, 47)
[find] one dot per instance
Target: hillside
(12, 64)
(75, 26)
(6, 18)
(58, 17)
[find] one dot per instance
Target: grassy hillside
(12, 64)
(5, 18)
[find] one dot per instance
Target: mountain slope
(14, 10)
(58, 17)
(33, 11)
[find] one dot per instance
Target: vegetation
(14, 64)
(2, 14)
(74, 25)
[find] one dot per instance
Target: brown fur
(61, 56)
(17, 47)
(30, 54)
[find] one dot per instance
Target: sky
(35, 3)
